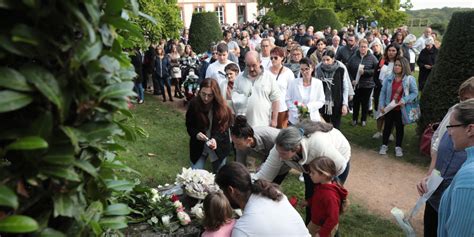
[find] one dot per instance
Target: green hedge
(204, 29)
(323, 17)
(454, 65)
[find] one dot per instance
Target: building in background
(228, 12)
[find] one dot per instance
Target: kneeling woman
(256, 142)
(208, 119)
(298, 145)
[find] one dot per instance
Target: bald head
(252, 55)
(252, 62)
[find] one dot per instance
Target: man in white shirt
(219, 65)
(232, 46)
(266, 46)
(420, 43)
(256, 94)
(266, 210)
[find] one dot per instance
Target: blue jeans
(139, 90)
(165, 81)
(216, 164)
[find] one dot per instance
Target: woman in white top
(283, 77)
(307, 90)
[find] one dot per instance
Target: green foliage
(386, 12)
(323, 17)
(454, 65)
(440, 27)
(435, 15)
(64, 87)
(169, 23)
(203, 30)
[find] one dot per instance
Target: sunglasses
(273, 58)
(455, 125)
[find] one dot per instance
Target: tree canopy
(386, 12)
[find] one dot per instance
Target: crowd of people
(278, 95)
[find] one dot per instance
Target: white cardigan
(316, 99)
(331, 144)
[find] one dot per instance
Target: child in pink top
(218, 221)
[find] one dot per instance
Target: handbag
(411, 111)
(425, 142)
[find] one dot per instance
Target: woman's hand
(212, 144)
(421, 186)
(428, 66)
(344, 110)
(382, 110)
(201, 137)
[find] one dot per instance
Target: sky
(423, 4)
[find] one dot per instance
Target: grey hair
(409, 39)
(290, 138)
(464, 112)
(253, 53)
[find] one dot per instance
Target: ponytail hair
(241, 129)
(267, 189)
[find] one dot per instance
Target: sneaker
(354, 123)
(140, 101)
(377, 135)
(301, 178)
(398, 151)
(383, 150)
(391, 138)
(364, 123)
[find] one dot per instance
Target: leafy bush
(440, 27)
(203, 30)
(64, 84)
(323, 17)
(454, 65)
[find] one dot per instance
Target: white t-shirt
(254, 98)
(285, 78)
(264, 217)
(385, 71)
(266, 62)
(214, 69)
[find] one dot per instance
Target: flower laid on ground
(293, 201)
(197, 183)
(184, 218)
(303, 110)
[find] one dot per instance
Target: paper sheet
(361, 67)
(432, 184)
(387, 109)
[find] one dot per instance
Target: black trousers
(393, 118)
(361, 99)
(334, 118)
(430, 221)
(376, 96)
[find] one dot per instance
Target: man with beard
(266, 210)
(345, 52)
(256, 94)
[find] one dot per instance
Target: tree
(203, 30)
(64, 88)
(455, 64)
(169, 24)
(323, 17)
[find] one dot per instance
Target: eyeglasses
(264, 46)
(455, 125)
(273, 58)
(207, 95)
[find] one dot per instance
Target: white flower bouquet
(197, 183)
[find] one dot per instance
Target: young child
(218, 221)
(328, 199)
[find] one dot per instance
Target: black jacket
(344, 53)
(162, 67)
(370, 65)
(194, 127)
(136, 61)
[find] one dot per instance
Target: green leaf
(118, 90)
(110, 64)
(114, 7)
(67, 173)
(123, 24)
(87, 51)
(75, 136)
(18, 224)
(45, 82)
(93, 11)
(119, 185)
(148, 17)
(115, 223)
(93, 212)
(28, 143)
(95, 226)
(43, 125)
(11, 47)
(50, 232)
(82, 20)
(118, 209)
(60, 155)
(12, 79)
(64, 205)
(12, 100)
(25, 34)
(86, 166)
(7, 197)
(118, 165)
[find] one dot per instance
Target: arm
(345, 90)
(275, 109)
(270, 167)
(319, 96)
(383, 94)
(275, 99)
(413, 91)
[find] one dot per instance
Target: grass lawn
(168, 140)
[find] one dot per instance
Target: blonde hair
(325, 166)
(217, 211)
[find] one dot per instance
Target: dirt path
(377, 182)
(380, 183)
